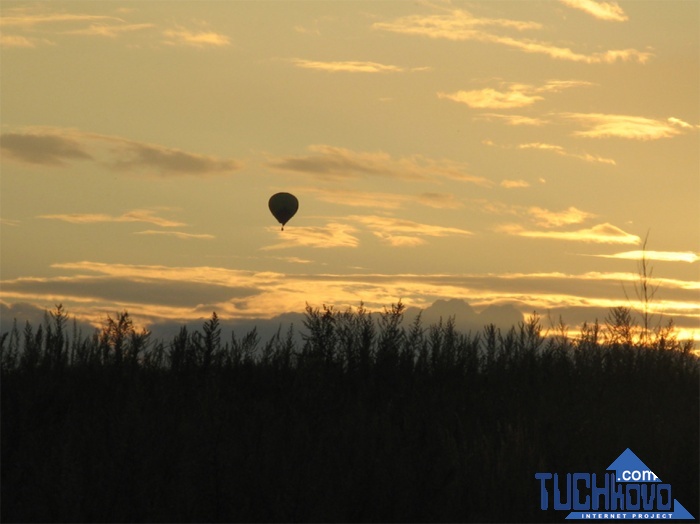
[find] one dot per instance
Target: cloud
(349, 197)
(601, 125)
(601, 233)
(135, 156)
(24, 19)
(513, 120)
(9, 41)
(110, 30)
(136, 215)
(512, 184)
(331, 235)
(352, 66)
(460, 25)
(176, 234)
(491, 99)
(560, 150)
(185, 37)
(439, 200)
(457, 25)
(511, 96)
(610, 11)
(90, 290)
(661, 256)
(547, 218)
(59, 147)
(78, 24)
(125, 290)
(401, 232)
(557, 149)
(378, 200)
(680, 123)
(46, 149)
(334, 163)
(21, 18)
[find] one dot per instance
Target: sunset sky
(500, 152)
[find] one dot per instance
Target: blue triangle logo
(630, 463)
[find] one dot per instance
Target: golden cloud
(136, 215)
(513, 120)
(547, 218)
(379, 200)
(663, 256)
(560, 150)
(460, 25)
(557, 149)
(110, 31)
(601, 233)
(155, 292)
(333, 163)
(186, 37)
(8, 41)
(401, 232)
(176, 234)
(331, 235)
(512, 184)
(491, 99)
(602, 10)
(351, 66)
(601, 125)
(20, 18)
(514, 94)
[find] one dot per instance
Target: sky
(498, 152)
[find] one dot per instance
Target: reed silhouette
(365, 420)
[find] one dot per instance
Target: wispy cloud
(513, 120)
(560, 150)
(352, 66)
(599, 125)
(333, 163)
(401, 232)
(109, 30)
(381, 200)
(60, 147)
(601, 234)
(177, 234)
(461, 25)
(510, 95)
(92, 289)
(195, 38)
(602, 10)
(661, 256)
(43, 148)
(24, 18)
(457, 25)
(38, 19)
(331, 235)
(439, 200)
(136, 215)
(555, 148)
(19, 41)
(547, 218)
(513, 184)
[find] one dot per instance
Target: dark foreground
(363, 422)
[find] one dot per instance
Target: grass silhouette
(364, 420)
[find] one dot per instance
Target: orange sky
(498, 152)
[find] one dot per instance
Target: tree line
(361, 419)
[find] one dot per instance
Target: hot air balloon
(283, 206)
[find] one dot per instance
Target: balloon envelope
(283, 206)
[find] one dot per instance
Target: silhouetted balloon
(283, 206)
